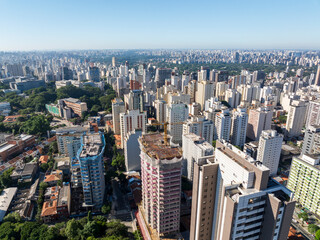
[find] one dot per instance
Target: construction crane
(165, 127)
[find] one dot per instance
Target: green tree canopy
(312, 228)
(303, 216)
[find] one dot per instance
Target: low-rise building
(57, 205)
(53, 178)
(67, 108)
(15, 145)
(25, 172)
(5, 200)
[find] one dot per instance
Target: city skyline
(81, 25)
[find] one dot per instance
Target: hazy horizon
(99, 25)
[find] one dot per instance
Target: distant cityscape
(160, 144)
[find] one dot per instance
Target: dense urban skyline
(60, 25)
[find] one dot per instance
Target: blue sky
(104, 24)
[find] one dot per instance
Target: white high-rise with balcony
(269, 150)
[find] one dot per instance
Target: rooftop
(73, 100)
(92, 144)
(63, 195)
(70, 130)
(5, 200)
(155, 147)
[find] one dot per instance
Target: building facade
(200, 126)
(269, 150)
(118, 107)
(161, 184)
(92, 168)
(234, 199)
(132, 120)
(311, 142)
(304, 180)
(259, 120)
(193, 148)
(239, 127)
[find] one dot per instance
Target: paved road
(302, 230)
(299, 227)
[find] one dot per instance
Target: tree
(37, 124)
(27, 229)
(105, 209)
(8, 231)
(53, 148)
(95, 109)
(115, 228)
(317, 235)
(5, 179)
(89, 216)
(214, 143)
(282, 119)
(312, 228)
(303, 216)
(118, 162)
(43, 186)
(91, 229)
(44, 167)
(53, 233)
(137, 235)
(72, 229)
(13, 217)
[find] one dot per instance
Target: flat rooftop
(241, 155)
(70, 130)
(155, 147)
(92, 144)
(5, 200)
(6, 146)
(73, 100)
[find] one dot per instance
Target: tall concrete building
(233, 198)
(304, 180)
(192, 89)
(162, 74)
(259, 120)
(296, 118)
(313, 115)
(94, 74)
(131, 151)
(239, 127)
(117, 108)
(317, 79)
(311, 142)
(221, 89)
(132, 120)
(134, 100)
(232, 97)
(14, 70)
(161, 185)
(194, 148)
(223, 125)
(269, 150)
(177, 114)
(92, 168)
(160, 108)
(200, 126)
(69, 140)
(204, 92)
